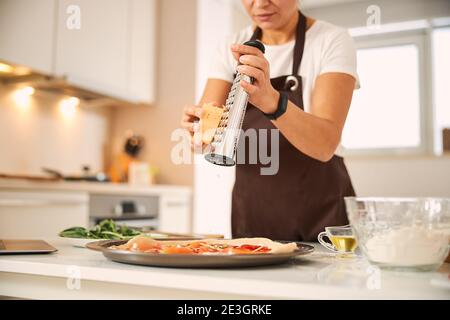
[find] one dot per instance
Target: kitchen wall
(35, 133)
(176, 52)
(407, 176)
(353, 13)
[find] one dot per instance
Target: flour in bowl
(408, 246)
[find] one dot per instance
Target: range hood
(17, 75)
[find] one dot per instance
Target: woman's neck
(285, 33)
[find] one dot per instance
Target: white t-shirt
(328, 48)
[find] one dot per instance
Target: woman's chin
(267, 25)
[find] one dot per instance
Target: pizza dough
(275, 247)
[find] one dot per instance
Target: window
(441, 83)
(385, 114)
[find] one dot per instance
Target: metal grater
(227, 134)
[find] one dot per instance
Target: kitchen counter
(319, 275)
(91, 187)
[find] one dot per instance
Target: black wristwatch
(281, 108)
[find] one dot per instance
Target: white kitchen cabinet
(113, 50)
(34, 214)
(27, 30)
(175, 213)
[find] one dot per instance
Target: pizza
(146, 244)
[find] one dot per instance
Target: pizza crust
(275, 247)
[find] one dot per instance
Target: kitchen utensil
(120, 167)
(401, 233)
(227, 133)
(28, 177)
(133, 145)
(195, 261)
(11, 246)
(139, 173)
(99, 177)
(342, 239)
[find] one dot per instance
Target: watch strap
(281, 107)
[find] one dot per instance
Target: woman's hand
(190, 121)
(253, 63)
(216, 92)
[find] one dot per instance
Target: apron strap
(257, 34)
(299, 41)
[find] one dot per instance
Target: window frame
(420, 38)
(437, 143)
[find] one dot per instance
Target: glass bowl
(401, 233)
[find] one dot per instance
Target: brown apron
(305, 196)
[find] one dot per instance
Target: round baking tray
(195, 261)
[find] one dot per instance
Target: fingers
(239, 50)
(193, 111)
(189, 121)
(258, 74)
(236, 55)
(257, 62)
(243, 49)
(248, 87)
(190, 126)
(198, 148)
(250, 56)
(197, 144)
(197, 138)
(215, 103)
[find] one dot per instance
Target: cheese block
(210, 121)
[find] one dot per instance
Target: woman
(313, 63)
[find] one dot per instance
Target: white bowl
(401, 233)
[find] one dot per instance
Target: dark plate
(195, 261)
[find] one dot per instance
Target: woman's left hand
(253, 64)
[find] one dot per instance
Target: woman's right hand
(190, 121)
(216, 92)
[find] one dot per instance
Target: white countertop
(91, 187)
(319, 275)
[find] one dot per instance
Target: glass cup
(342, 239)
